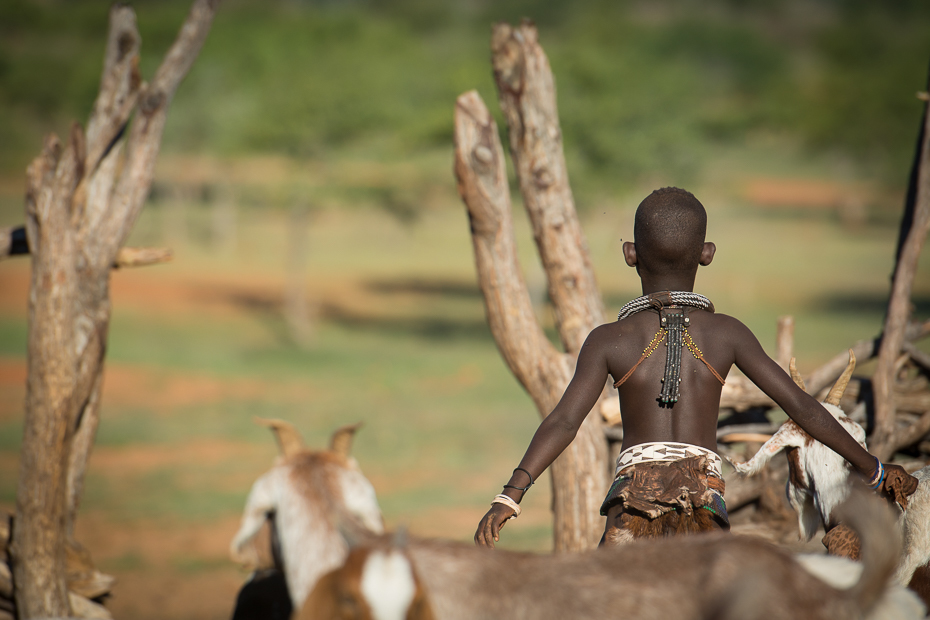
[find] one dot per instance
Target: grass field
(200, 346)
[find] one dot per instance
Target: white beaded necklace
(665, 298)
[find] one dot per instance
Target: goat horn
(286, 434)
(796, 375)
(341, 441)
(836, 392)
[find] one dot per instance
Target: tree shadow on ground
(422, 286)
(429, 327)
(427, 323)
(860, 302)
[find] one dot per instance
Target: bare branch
(119, 85)
(482, 183)
(140, 257)
(579, 475)
(784, 341)
(912, 434)
(13, 242)
(731, 429)
(744, 437)
(526, 90)
(920, 358)
(739, 394)
(899, 306)
(144, 140)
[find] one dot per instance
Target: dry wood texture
(527, 96)
(526, 90)
(915, 227)
(580, 474)
(82, 200)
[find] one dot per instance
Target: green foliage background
(643, 86)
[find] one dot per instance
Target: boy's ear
(707, 253)
(629, 253)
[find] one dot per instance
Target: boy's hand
(490, 526)
(898, 484)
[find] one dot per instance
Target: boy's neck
(654, 284)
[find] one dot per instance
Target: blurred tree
(81, 203)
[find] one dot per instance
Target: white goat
(818, 476)
(308, 494)
(700, 577)
(819, 480)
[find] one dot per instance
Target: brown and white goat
(311, 496)
(699, 577)
(819, 480)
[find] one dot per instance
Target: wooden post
(784, 341)
(81, 202)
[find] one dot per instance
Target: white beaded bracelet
(506, 500)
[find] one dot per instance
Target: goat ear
(289, 439)
(341, 441)
(836, 392)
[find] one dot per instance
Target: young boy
(668, 354)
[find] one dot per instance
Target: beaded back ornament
(673, 330)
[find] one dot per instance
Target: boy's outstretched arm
(800, 406)
(555, 432)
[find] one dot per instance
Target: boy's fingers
(490, 527)
(489, 537)
(484, 537)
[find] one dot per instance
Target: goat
(306, 495)
(811, 465)
(697, 577)
(819, 479)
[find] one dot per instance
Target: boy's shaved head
(669, 231)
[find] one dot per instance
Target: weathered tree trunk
(914, 229)
(81, 203)
(580, 475)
